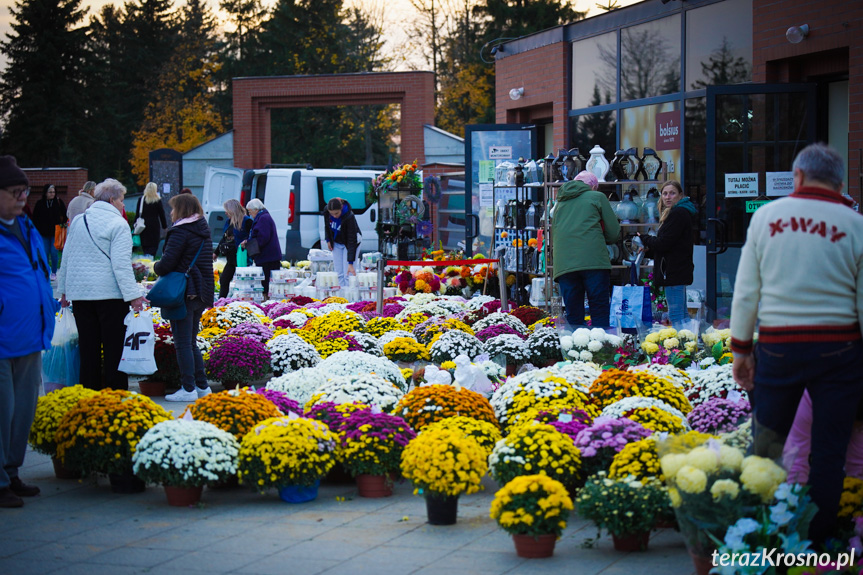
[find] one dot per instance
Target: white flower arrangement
(238, 312)
(677, 376)
(618, 408)
(716, 381)
(367, 388)
(503, 453)
(290, 352)
(430, 308)
(578, 373)
(369, 342)
(329, 308)
(590, 345)
(512, 347)
(296, 319)
(454, 305)
(183, 453)
(454, 343)
(388, 336)
(354, 363)
(299, 385)
(541, 383)
(498, 317)
(543, 345)
(478, 301)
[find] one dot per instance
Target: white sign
(166, 189)
(780, 183)
(486, 194)
(741, 185)
(500, 152)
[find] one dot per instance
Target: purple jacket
(264, 230)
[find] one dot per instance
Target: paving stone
(209, 560)
(135, 556)
(280, 564)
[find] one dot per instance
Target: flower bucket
(63, 472)
(631, 542)
(182, 496)
(299, 493)
(374, 486)
(126, 483)
(703, 564)
(534, 546)
(152, 388)
(441, 509)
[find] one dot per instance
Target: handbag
(252, 248)
(170, 289)
(226, 245)
(59, 236)
(139, 225)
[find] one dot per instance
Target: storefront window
(695, 159)
(594, 71)
(638, 129)
(650, 59)
(719, 44)
(589, 130)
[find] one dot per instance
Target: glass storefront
(719, 44)
(594, 71)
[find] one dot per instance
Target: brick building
(67, 182)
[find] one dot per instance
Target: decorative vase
(441, 509)
(534, 546)
(631, 542)
(374, 486)
(152, 388)
(299, 493)
(63, 472)
(126, 483)
(703, 564)
(183, 496)
(597, 164)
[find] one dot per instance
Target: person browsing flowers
(342, 234)
(238, 226)
(267, 237)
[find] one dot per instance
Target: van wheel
(317, 245)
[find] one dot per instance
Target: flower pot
(152, 388)
(299, 493)
(441, 509)
(338, 475)
(182, 496)
(126, 483)
(703, 564)
(631, 542)
(231, 482)
(548, 362)
(511, 369)
(534, 546)
(374, 486)
(63, 472)
(666, 523)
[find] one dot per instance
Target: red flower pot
(63, 472)
(511, 369)
(703, 564)
(534, 546)
(631, 542)
(152, 388)
(182, 496)
(374, 486)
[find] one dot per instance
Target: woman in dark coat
(189, 234)
(265, 233)
(150, 208)
(50, 211)
(238, 226)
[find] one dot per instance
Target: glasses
(18, 194)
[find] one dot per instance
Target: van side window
(351, 189)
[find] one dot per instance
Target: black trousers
(227, 274)
(268, 267)
(101, 328)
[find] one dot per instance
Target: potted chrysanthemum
(511, 348)
(236, 411)
(290, 352)
(50, 409)
(429, 403)
(238, 360)
(535, 449)
(183, 456)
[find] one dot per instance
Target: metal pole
(380, 306)
(501, 278)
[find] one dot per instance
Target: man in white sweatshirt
(801, 276)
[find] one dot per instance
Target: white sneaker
(182, 395)
(203, 392)
(53, 277)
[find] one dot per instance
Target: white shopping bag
(139, 345)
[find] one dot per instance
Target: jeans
(189, 358)
(596, 283)
(830, 371)
(677, 312)
(101, 330)
(51, 253)
(20, 380)
(340, 263)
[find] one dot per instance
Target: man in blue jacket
(27, 309)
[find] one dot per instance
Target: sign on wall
(668, 130)
(741, 185)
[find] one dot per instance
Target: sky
(395, 39)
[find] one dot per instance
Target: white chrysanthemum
(594, 345)
(299, 385)
(369, 388)
(369, 342)
(354, 363)
(290, 352)
(580, 340)
(585, 356)
(296, 319)
(598, 333)
(566, 342)
(618, 408)
(388, 336)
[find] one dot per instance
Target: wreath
(431, 186)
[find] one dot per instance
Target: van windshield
(350, 189)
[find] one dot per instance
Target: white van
(295, 198)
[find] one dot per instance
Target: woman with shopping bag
(236, 231)
(48, 213)
(189, 250)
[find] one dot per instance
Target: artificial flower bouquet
(286, 451)
(372, 443)
(236, 411)
(100, 433)
(50, 409)
(238, 360)
(444, 463)
(624, 506)
(290, 353)
(532, 505)
(486, 434)
(182, 453)
(430, 403)
(403, 175)
(405, 349)
(594, 345)
(544, 347)
(536, 448)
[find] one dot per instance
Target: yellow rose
(672, 463)
(703, 458)
(691, 479)
(722, 487)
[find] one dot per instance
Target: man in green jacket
(583, 224)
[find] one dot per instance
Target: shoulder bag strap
(191, 265)
(93, 240)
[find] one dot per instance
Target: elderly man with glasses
(27, 309)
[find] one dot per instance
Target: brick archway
(254, 98)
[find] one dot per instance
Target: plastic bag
(242, 258)
(61, 365)
(139, 345)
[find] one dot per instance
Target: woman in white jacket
(96, 277)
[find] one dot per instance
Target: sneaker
(21, 489)
(9, 500)
(53, 277)
(203, 391)
(182, 395)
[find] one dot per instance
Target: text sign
(753, 205)
(486, 194)
(500, 152)
(780, 183)
(667, 135)
(741, 185)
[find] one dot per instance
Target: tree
(647, 65)
(596, 129)
(609, 5)
(41, 87)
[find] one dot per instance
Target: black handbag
(226, 245)
(170, 289)
(252, 248)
